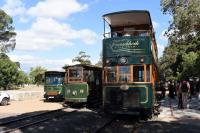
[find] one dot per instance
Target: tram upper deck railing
(122, 33)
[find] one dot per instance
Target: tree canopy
(82, 58)
(7, 34)
(37, 75)
(181, 58)
(10, 74)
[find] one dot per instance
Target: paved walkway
(174, 120)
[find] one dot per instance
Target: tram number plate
(52, 93)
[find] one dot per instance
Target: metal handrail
(125, 31)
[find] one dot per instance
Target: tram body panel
(76, 92)
(130, 99)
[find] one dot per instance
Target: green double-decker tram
(129, 63)
(83, 85)
(53, 85)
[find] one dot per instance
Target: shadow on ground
(179, 125)
(78, 122)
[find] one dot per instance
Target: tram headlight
(123, 60)
(107, 61)
(68, 91)
(81, 91)
(142, 60)
(74, 93)
(124, 87)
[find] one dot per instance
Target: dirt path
(21, 107)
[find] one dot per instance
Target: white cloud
(56, 8)
(47, 33)
(32, 61)
(155, 24)
(163, 36)
(23, 19)
(14, 7)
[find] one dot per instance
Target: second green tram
(53, 85)
(83, 85)
(129, 63)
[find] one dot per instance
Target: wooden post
(145, 73)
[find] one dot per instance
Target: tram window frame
(148, 76)
(54, 79)
(88, 76)
(128, 74)
(143, 74)
(75, 79)
(106, 74)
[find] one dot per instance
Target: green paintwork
(131, 47)
(54, 88)
(76, 92)
(146, 99)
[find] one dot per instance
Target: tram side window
(138, 72)
(111, 74)
(91, 76)
(148, 73)
(85, 75)
(115, 34)
(124, 73)
(142, 33)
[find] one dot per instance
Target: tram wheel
(146, 114)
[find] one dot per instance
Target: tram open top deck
(131, 33)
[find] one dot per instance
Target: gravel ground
(28, 106)
(123, 124)
(83, 121)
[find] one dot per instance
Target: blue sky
(52, 32)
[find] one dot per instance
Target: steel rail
(30, 116)
(106, 124)
(36, 122)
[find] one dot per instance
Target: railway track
(24, 122)
(120, 123)
(105, 125)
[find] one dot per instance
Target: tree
(37, 75)
(99, 63)
(189, 67)
(185, 14)
(82, 58)
(7, 34)
(8, 72)
(22, 78)
(181, 56)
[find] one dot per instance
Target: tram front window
(124, 73)
(54, 80)
(75, 75)
(138, 73)
(111, 74)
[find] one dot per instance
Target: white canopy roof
(128, 18)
